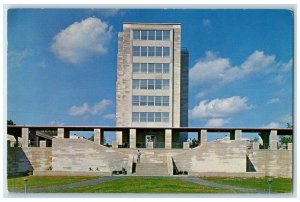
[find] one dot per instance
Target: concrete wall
(28, 159)
(218, 156)
(275, 163)
(81, 155)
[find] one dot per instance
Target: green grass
(279, 185)
(17, 184)
(146, 185)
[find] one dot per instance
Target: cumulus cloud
(214, 69)
(85, 109)
(56, 123)
(220, 108)
(271, 125)
(287, 119)
(109, 116)
(17, 58)
(216, 122)
(273, 101)
(81, 40)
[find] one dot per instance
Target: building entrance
(150, 138)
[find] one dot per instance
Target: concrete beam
(97, 136)
(273, 140)
(203, 138)
(168, 138)
(25, 137)
(132, 138)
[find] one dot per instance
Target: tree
(284, 140)
(12, 131)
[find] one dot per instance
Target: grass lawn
(17, 184)
(146, 185)
(279, 185)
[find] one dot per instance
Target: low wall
(275, 163)
(68, 173)
(79, 155)
(20, 160)
(224, 155)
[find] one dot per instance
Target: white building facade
(152, 80)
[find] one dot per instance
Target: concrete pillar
(42, 143)
(290, 146)
(132, 138)
(203, 138)
(168, 139)
(115, 145)
(97, 136)
(238, 134)
(149, 145)
(25, 137)
(119, 135)
(255, 146)
(273, 140)
(61, 133)
(186, 145)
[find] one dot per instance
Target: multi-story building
(152, 81)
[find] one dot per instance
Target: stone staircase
(152, 164)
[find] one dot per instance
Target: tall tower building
(152, 80)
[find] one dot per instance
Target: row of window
(150, 84)
(150, 116)
(151, 67)
(151, 34)
(149, 51)
(150, 100)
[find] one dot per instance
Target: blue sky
(62, 65)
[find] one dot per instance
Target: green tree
(284, 140)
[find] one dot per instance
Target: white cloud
(206, 22)
(214, 70)
(17, 58)
(86, 110)
(56, 123)
(109, 116)
(220, 108)
(287, 119)
(273, 101)
(81, 40)
(271, 125)
(216, 122)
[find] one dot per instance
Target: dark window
(136, 67)
(144, 67)
(157, 116)
(135, 100)
(150, 116)
(136, 34)
(166, 51)
(166, 68)
(143, 117)
(165, 116)
(158, 51)
(151, 51)
(150, 100)
(143, 35)
(157, 100)
(135, 116)
(151, 84)
(143, 51)
(165, 100)
(165, 84)
(151, 35)
(166, 35)
(158, 35)
(135, 84)
(158, 84)
(136, 51)
(143, 84)
(150, 68)
(143, 100)
(158, 68)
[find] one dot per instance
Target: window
(136, 34)
(143, 100)
(150, 100)
(143, 83)
(158, 68)
(158, 51)
(151, 35)
(151, 84)
(143, 35)
(150, 68)
(150, 116)
(157, 100)
(158, 84)
(166, 51)
(135, 116)
(158, 35)
(143, 116)
(165, 84)
(165, 100)
(143, 50)
(135, 84)
(151, 51)
(144, 67)
(136, 67)
(165, 116)
(166, 68)
(157, 116)
(136, 50)
(166, 35)
(135, 100)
